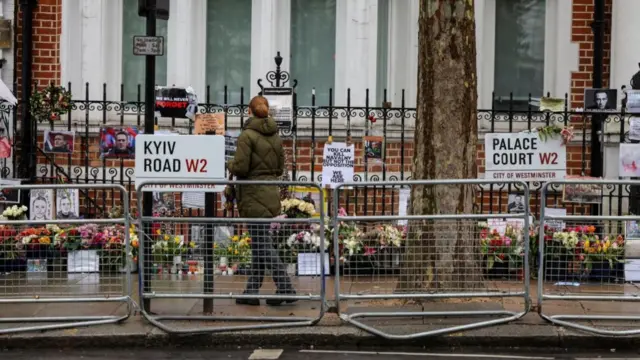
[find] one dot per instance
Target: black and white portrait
(600, 99)
(41, 202)
(515, 204)
(67, 204)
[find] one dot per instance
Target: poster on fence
(59, 142)
(209, 124)
(67, 204)
(373, 147)
(582, 193)
(174, 102)
(118, 143)
(337, 166)
(629, 160)
(552, 104)
(9, 196)
(556, 225)
(600, 100)
(280, 106)
(231, 144)
(524, 156)
(41, 204)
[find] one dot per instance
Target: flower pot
(13, 265)
(601, 271)
(499, 270)
(359, 265)
(37, 252)
(558, 268)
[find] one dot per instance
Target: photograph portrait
(373, 147)
(600, 100)
(67, 204)
(58, 142)
(118, 143)
(516, 204)
(9, 196)
(163, 204)
(41, 205)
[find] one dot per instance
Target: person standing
(260, 157)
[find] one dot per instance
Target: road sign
(148, 45)
(180, 158)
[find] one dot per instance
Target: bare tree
(444, 254)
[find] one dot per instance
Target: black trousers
(263, 256)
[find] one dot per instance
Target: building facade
(349, 53)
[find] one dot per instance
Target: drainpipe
(596, 120)
(28, 164)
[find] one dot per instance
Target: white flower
(24, 208)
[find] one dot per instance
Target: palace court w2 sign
(180, 158)
(524, 156)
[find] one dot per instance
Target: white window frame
(560, 54)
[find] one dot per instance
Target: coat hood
(266, 126)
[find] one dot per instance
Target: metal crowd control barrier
(227, 263)
(467, 278)
(49, 276)
(588, 260)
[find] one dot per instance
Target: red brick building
(87, 44)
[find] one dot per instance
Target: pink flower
(368, 251)
(507, 241)
(342, 212)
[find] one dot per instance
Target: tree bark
(444, 254)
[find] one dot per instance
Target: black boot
(245, 301)
(278, 302)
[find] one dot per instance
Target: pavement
(530, 332)
(304, 354)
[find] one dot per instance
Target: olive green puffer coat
(259, 156)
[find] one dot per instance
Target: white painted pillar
(625, 36)
(270, 33)
(186, 55)
(356, 51)
(403, 48)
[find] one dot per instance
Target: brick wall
(47, 27)
(582, 34)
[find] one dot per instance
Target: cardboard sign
(209, 124)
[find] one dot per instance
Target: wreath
(50, 103)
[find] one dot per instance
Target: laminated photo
(58, 142)
(118, 143)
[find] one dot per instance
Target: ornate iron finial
(277, 78)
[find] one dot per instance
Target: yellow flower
(235, 238)
(193, 245)
(215, 246)
(158, 231)
(176, 240)
(236, 252)
(586, 244)
(229, 249)
(166, 238)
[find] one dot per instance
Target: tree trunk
(444, 254)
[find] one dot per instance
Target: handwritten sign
(209, 124)
(337, 166)
(148, 45)
(524, 156)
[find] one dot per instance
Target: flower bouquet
(169, 250)
(562, 252)
(603, 258)
(503, 253)
(112, 253)
(15, 213)
(36, 242)
(10, 259)
(235, 257)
